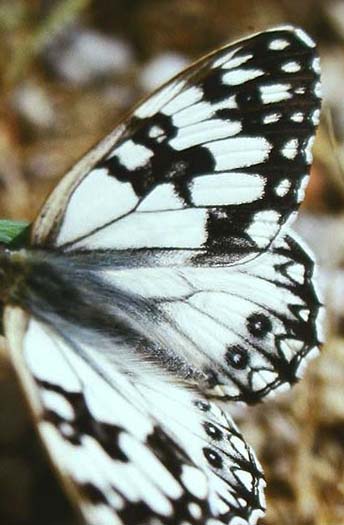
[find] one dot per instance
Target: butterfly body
(162, 276)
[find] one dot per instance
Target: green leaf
(14, 232)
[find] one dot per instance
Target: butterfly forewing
(211, 166)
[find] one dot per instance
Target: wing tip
(300, 33)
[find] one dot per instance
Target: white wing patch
(202, 111)
(163, 197)
(275, 93)
(291, 67)
(290, 149)
(239, 152)
(235, 78)
(97, 192)
(278, 44)
(181, 229)
(184, 100)
(264, 226)
(133, 156)
(217, 190)
(200, 133)
(159, 99)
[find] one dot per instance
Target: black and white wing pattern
(162, 273)
(207, 170)
(133, 449)
(201, 181)
(242, 332)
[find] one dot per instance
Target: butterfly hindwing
(247, 328)
(132, 449)
(210, 167)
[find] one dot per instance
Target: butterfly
(162, 281)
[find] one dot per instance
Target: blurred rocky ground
(69, 69)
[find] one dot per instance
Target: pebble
(160, 69)
(81, 56)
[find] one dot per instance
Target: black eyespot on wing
(237, 357)
(213, 431)
(214, 459)
(202, 405)
(259, 325)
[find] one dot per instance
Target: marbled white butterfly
(161, 279)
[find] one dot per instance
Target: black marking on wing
(228, 457)
(299, 330)
(262, 107)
